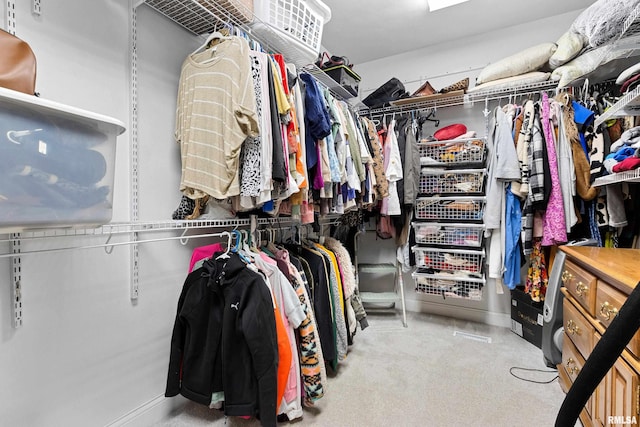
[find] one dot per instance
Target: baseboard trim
(464, 313)
(150, 413)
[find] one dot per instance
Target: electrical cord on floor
(533, 370)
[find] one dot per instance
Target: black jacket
(224, 339)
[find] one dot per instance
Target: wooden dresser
(596, 283)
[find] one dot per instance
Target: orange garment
(284, 355)
(284, 345)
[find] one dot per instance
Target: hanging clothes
(503, 167)
(512, 239)
(317, 120)
(555, 229)
(537, 276)
(224, 340)
(393, 172)
(382, 185)
(349, 283)
(279, 170)
(251, 155)
(521, 187)
(319, 289)
(566, 170)
(215, 113)
(266, 137)
(337, 297)
(309, 351)
(292, 315)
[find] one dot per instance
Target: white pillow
(530, 59)
(586, 63)
(629, 72)
(569, 46)
(509, 82)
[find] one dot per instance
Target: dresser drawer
(581, 285)
(608, 303)
(572, 360)
(572, 364)
(577, 328)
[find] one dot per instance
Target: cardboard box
(526, 317)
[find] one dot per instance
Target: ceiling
(364, 30)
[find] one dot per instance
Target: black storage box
(526, 317)
(345, 76)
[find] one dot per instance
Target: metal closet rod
(110, 230)
(123, 228)
(108, 245)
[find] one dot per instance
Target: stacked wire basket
(448, 226)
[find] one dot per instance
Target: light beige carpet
(427, 376)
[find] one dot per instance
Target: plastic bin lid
(40, 103)
(346, 69)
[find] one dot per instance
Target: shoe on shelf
(461, 85)
(424, 90)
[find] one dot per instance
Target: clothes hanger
(238, 237)
(225, 254)
(244, 250)
(216, 35)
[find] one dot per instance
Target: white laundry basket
(292, 27)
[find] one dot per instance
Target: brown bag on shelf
(17, 64)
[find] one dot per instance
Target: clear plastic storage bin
(56, 164)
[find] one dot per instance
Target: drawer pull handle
(572, 328)
(607, 311)
(572, 369)
(566, 276)
(581, 289)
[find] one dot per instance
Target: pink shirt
(203, 252)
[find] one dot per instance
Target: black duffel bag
(390, 91)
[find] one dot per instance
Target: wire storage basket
(449, 259)
(463, 208)
(448, 286)
(452, 153)
(430, 233)
(447, 181)
(297, 25)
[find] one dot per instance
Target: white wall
(86, 354)
(449, 62)
(442, 65)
